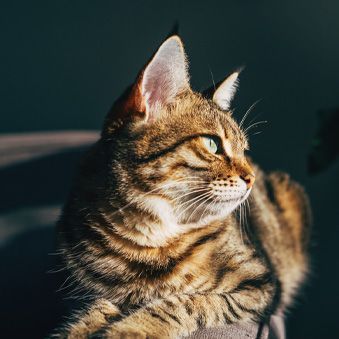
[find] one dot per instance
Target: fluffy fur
(150, 230)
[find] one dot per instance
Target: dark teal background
(63, 63)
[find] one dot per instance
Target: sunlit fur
(150, 232)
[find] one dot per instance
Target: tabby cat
(150, 232)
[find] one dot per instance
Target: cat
(150, 231)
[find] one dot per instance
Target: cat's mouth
(228, 200)
(212, 206)
(237, 199)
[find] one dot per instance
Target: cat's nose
(249, 180)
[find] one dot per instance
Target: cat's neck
(153, 224)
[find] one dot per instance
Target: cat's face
(177, 153)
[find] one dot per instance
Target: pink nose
(249, 180)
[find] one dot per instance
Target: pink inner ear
(155, 87)
(164, 77)
(158, 86)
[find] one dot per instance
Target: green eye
(211, 144)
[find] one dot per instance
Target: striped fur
(150, 232)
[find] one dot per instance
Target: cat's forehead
(204, 116)
(193, 116)
(190, 116)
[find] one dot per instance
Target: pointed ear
(156, 86)
(164, 77)
(226, 91)
(223, 92)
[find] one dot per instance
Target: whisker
(256, 133)
(196, 189)
(194, 211)
(190, 200)
(212, 76)
(255, 124)
(193, 201)
(244, 222)
(240, 224)
(199, 189)
(248, 208)
(255, 118)
(172, 183)
(248, 112)
(208, 206)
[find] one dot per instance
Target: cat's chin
(219, 209)
(224, 207)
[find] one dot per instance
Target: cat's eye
(212, 144)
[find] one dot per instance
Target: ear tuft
(226, 90)
(165, 76)
(174, 30)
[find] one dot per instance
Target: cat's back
(280, 219)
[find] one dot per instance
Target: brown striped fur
(158, 257)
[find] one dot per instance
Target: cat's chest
(197, 270)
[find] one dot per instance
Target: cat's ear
(223, 92)
(160, 81)
(164, 77)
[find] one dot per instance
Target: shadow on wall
(30, 306)
(32, 193)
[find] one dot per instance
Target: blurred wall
(62, 64)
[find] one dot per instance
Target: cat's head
(175, 152)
